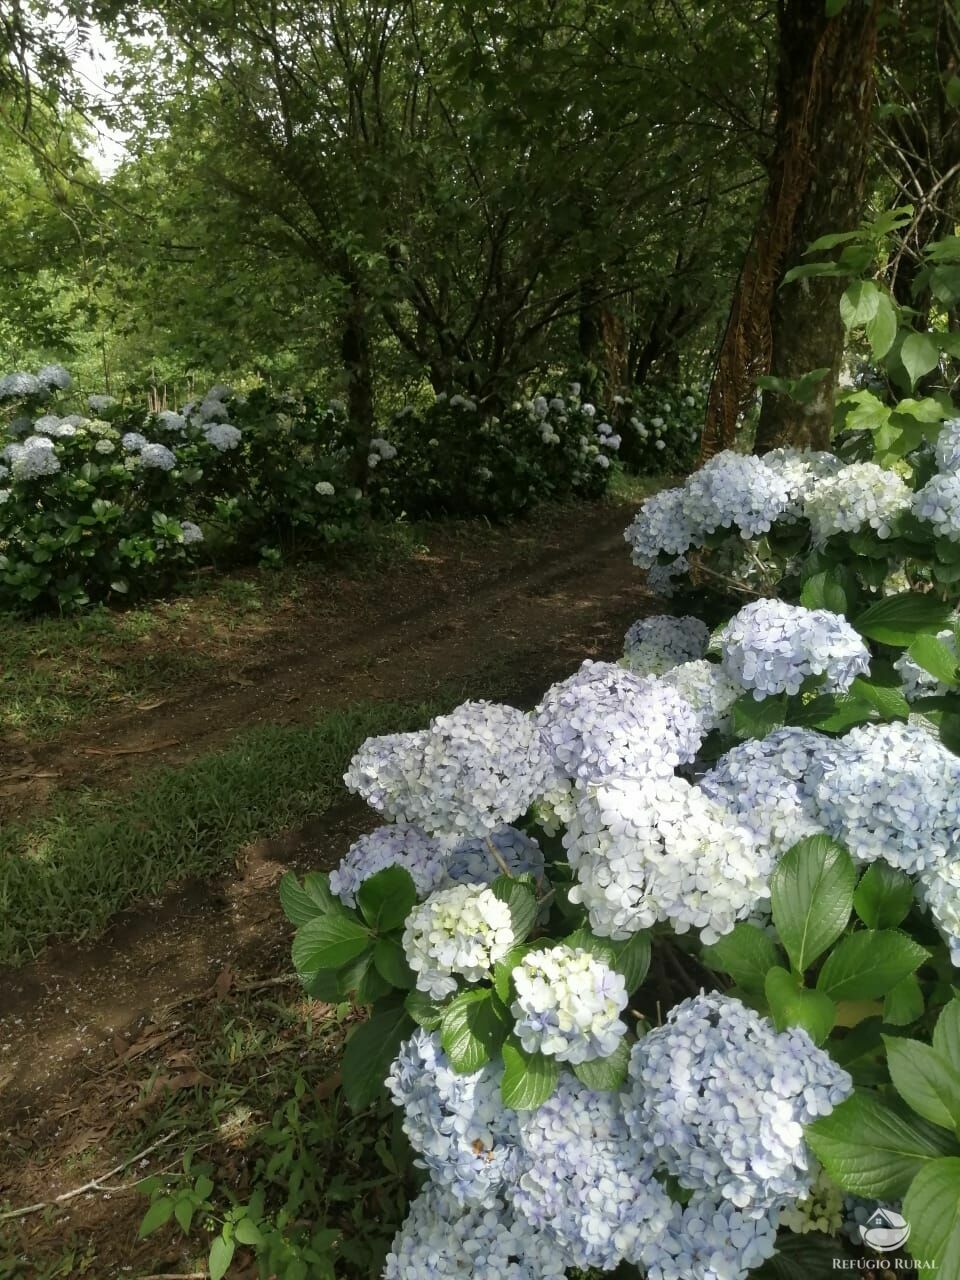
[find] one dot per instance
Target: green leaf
(924, 1080)
(950, 732)
(159, 1213)
(183, 1211)
(424, 1010)
(221, 1255)
(890, 702)
(811, 894)
(936, 657)
(872, 1150)
(792, 1006)
(811, 1256)
(583, 939)
(503, 968)
(387, 898)
(388, 956)
(833, 7)
(898, 620)
(903, 1003)
(747, 953)
(304, 902)
(633, 959)
(882, 329)
(883, 897)
(521, 900)
(859, 303)
(604, 1074)
(528, 1078)
(249, 1233)
(932, 1207)
(360, 980)
(919, 354)
(328, 942)
(369, 1052)
(946, 1034)
(833, 589)
(753, 719)
(868, 964)
(474, 1027)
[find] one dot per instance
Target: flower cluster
(708, 689)
(660, 849)
(858, 495)
(772, 647)
(735, 490)
(653, 645)
(908, 816)
(604, 721)
(567, 1004)
(470, 771)
(939, 503)
(393, 846)
(720, 1098)
(35, 386)
(505, 850)
(948, 446)
(709, 1238)
(463, 930)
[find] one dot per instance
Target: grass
(64, 874)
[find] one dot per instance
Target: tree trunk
(601, 338)
(358, 368)
(816, 181)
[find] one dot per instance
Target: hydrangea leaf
(903, 1003)
(386, 899)
(811, 893)
(604, 1074)
(328, 942)
(632, 959)
(859, 303)
(883, 897)
(801, 1257)
(755, 719)
(584, 940)
(932, 1207)
(388, 956)
(528, 1078)
(898, 620)
(474, 1026)
(868, 964)
(747, 953)
(919, 355)
(924, 1080)
(890, 703)
(792, 1006)
(946, 1034)
(503, 968)
(872, 1150)
(304, 902)
(881, 330)
(522, 902)
(369, 1053)
(425, 1011)
(933, 655)
(361, 981)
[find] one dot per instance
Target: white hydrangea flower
(34, 458)
(222, 435)
(859, 494)
(939, 503)
(391, 846)
(99, 404)
(661, 525)
(211, 409)
(721, 1099)
(171, 421)
(735, 490)
(157, 456)
(567, 1004)
(801, 470)
(771, 647)
(381, 448)
(653, 645)
(660, 849)
(133, 441)
(18, 386)
(605, 721)
(54, 377)
(192, 533)
(708, 689)
(324, 488)
(892, 792)
(939, 890)
(463, 930)
(104, 446)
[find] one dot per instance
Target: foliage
(661, 428)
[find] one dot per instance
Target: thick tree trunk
(824, 96)
(602, 341)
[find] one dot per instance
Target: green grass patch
(63, 875)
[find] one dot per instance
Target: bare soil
(524, 607)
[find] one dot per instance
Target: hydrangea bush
(661, 971)
(661, 427)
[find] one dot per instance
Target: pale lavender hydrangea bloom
(441, 1241)
(222, 436)
(653, 645)
(735, 490)
(568, 1004)
(709, 690)
(157, 456)
(948, 446)
(660, 525)
(801, 470)
(211, 408)
(721, 1099)
(660, 576)
(939, 890)
(471, 771)
(938, 502)
(17, 386)
(604, 721)
(392, 846)
(54, 377)
(192, 533)
(133, 441)
(710, 1239)
(772, 647)
(473, 861)
(659, 849)
(457, 1123)
(99, 404)
(587, 1184)
(171, 421)
(34, 458)
(892, 792)
(464, 930)
(859, 494)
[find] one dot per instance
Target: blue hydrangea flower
(222, 436)
(948, 446)
(656, 644)
(18, 386)
(157, 456)
(734, 490)
(393, 846)
(939, 503)
(661, 525)
(772, 647)
(34, 458)
(54, 377)
(711, 1239)
(720, 1098)
(474, 862)
(709, 690)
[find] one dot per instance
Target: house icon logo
(885, 1230)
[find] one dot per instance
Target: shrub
(661, 427)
